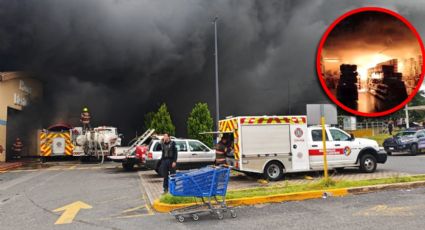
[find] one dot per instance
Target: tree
(148, 120)
(199, 121)
(161, 121)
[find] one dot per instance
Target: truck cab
(342, 149)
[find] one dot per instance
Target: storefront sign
(18, 99)
(24, 88)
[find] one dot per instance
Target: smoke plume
(123, 58)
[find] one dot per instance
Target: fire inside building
(17, 90)
(382, 87)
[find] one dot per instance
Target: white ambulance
(275, 145)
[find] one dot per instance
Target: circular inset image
(370, 61)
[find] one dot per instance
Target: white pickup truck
(274, 145)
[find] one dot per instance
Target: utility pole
(406, 109)
(217, 98)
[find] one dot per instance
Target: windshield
(403, 134)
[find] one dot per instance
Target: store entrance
(12, 132)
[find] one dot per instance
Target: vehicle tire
(368, 163)
(414, 150)
(273, 171)
(128, 166)
(389, 153)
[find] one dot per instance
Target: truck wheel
(128, 166)
(389, 153)
(414, 150)
(273, 171)
(368, 163)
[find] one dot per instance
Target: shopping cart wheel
(219, 215)
(233, 213)
(195, 217)
(180, 219)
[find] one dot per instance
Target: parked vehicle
(411, 141)
(135, 154)
(64, 140)
(191, 154)
(274, 145)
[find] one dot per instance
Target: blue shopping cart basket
(205, 182)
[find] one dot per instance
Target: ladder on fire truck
(139, 141)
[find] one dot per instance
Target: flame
(369, 61)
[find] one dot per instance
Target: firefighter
(221, 150)
(85, 118)
(17, 147)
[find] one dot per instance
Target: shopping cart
(209, 184)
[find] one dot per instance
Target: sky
(123, 58)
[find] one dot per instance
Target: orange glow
(369, 61)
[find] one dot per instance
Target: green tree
(200, 120)
(162, 122)
(148, 120)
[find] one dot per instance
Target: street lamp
(217, 103)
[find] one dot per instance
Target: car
(191, 154)
(410, 140)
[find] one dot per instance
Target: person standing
(85, 119)
(17, 148)
(390, 127)
(168, 159)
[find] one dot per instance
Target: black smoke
(123, 58)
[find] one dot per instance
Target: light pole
(217, 98)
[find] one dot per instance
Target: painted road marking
(147, 203)
(70, 211)
(19, 180)
(384, 210)
(58, 169)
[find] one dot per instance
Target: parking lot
(94, 196)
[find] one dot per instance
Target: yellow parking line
(150, 212)
(73, 167)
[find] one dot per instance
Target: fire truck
(275, 145)
(64, 140)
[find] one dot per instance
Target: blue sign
(3, 122)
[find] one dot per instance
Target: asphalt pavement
(110, 198)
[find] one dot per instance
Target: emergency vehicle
(274, 145)
(64, 140)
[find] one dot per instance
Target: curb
(163, 207)
(10, 166)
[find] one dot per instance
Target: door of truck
(344, 145)
(299, 148)
(316, 149)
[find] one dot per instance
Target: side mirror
(352, 137)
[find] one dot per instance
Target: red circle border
(323, 40)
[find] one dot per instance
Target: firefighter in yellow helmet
(85, 118)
